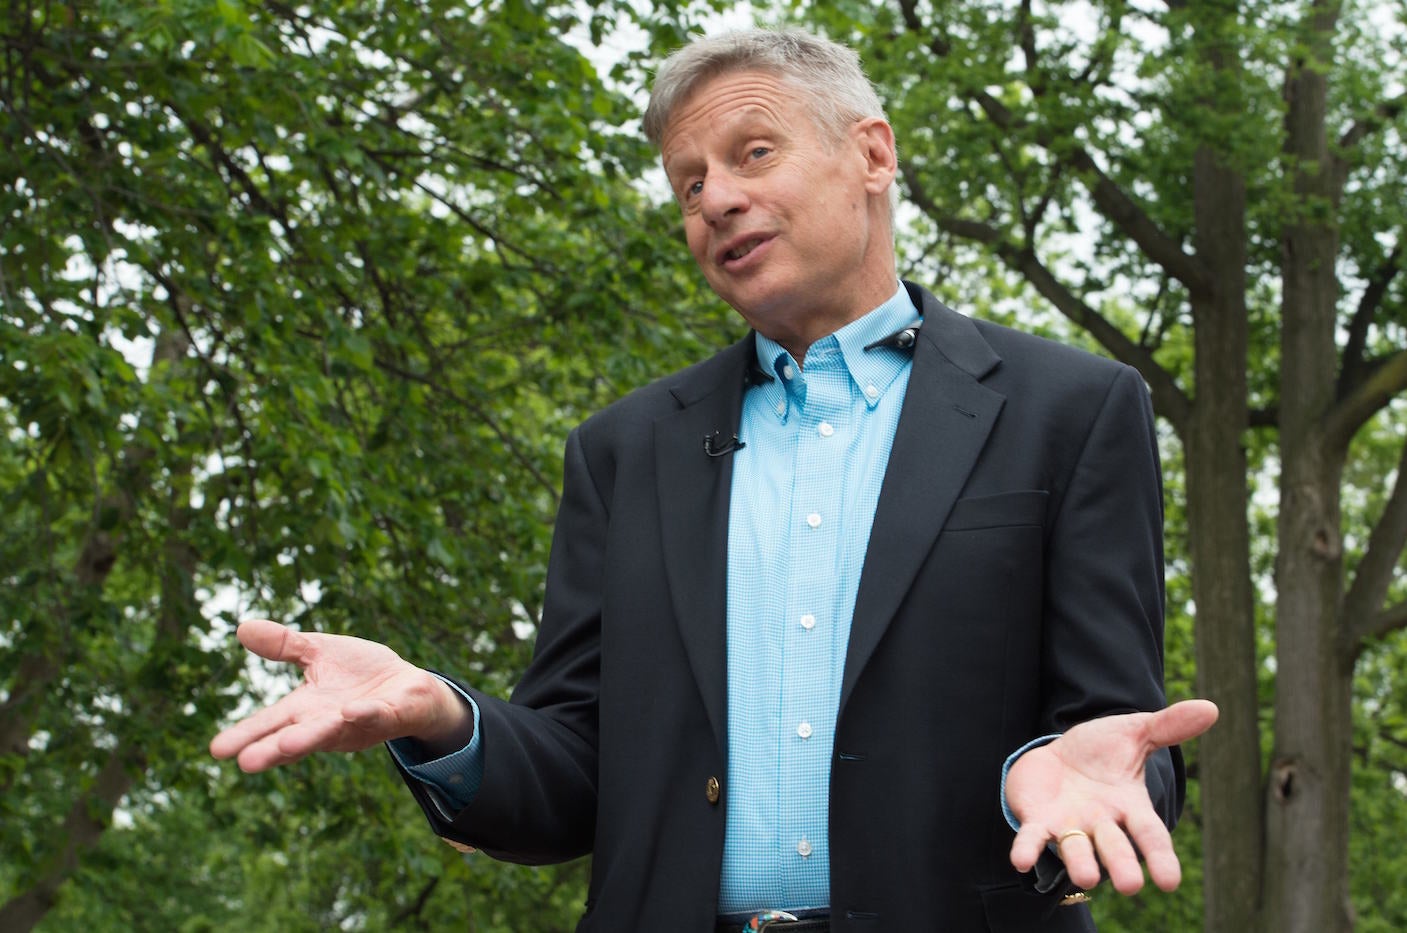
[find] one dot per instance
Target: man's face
(788, 225)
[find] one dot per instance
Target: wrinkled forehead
(729, 97)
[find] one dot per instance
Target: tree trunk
(1219, 544)
(86, 820)
(48, 653)
(152, 692)
(1307, 800)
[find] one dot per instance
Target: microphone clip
(715, 447)
(903, 339)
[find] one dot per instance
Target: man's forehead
(733, 99)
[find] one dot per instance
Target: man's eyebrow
(677, 163)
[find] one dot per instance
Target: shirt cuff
(454, 779)
(1006, 769)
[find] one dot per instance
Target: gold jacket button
(711, 790)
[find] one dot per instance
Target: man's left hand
(1085, 792)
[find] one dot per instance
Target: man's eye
(694, 189)
(759, 152)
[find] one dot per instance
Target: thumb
(274, 641)
(1181, 721)
(374, 715)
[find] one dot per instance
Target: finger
(260, 755)
(230, 742)
(292, 743)
(1077, 852)
(274, 641)
(1118, 857)
(1181, 721)
(1155, 843)
(1028, 845)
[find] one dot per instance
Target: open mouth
(742, 249)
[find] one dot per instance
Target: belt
(808, 925)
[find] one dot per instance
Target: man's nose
(722, 195)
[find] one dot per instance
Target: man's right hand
(355, 694)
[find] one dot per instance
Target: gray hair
(826, 74)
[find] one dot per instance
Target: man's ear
(875, 139)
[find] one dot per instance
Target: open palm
(1085, 791)
(355, 694)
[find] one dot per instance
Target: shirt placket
(809, 672)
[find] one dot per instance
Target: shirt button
(871, 393)
(788, 372)
(804, 730)
(814, 520)
(808, 621)
(781, 408)
(826, 429)
(803, 848)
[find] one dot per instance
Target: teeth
(743, 250)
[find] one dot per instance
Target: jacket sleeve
(1103, 633)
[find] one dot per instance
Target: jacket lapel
(694, 490)
(944, 424)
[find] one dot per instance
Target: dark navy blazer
(1013, 588)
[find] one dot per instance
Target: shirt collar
(872, 372)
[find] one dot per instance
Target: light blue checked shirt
(804, 493)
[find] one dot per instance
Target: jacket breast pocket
(1006, 509)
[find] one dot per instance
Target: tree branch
(1264, 417)
(1168, 398)
(1363, 615)
(1351, 369)
(1381, 115)
(202, 135)
(1109, 198)
(503, 435)
(1391, 619)
(413, 910)
(1385, 380)
(1134, 222)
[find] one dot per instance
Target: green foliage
(299, 302)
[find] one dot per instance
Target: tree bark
(1307, 800)
(1217, 503)
(82, 827)
(1219, 544)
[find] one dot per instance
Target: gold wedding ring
(1060, 840)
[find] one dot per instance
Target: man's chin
(762, 307)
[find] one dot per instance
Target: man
(807, 598)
